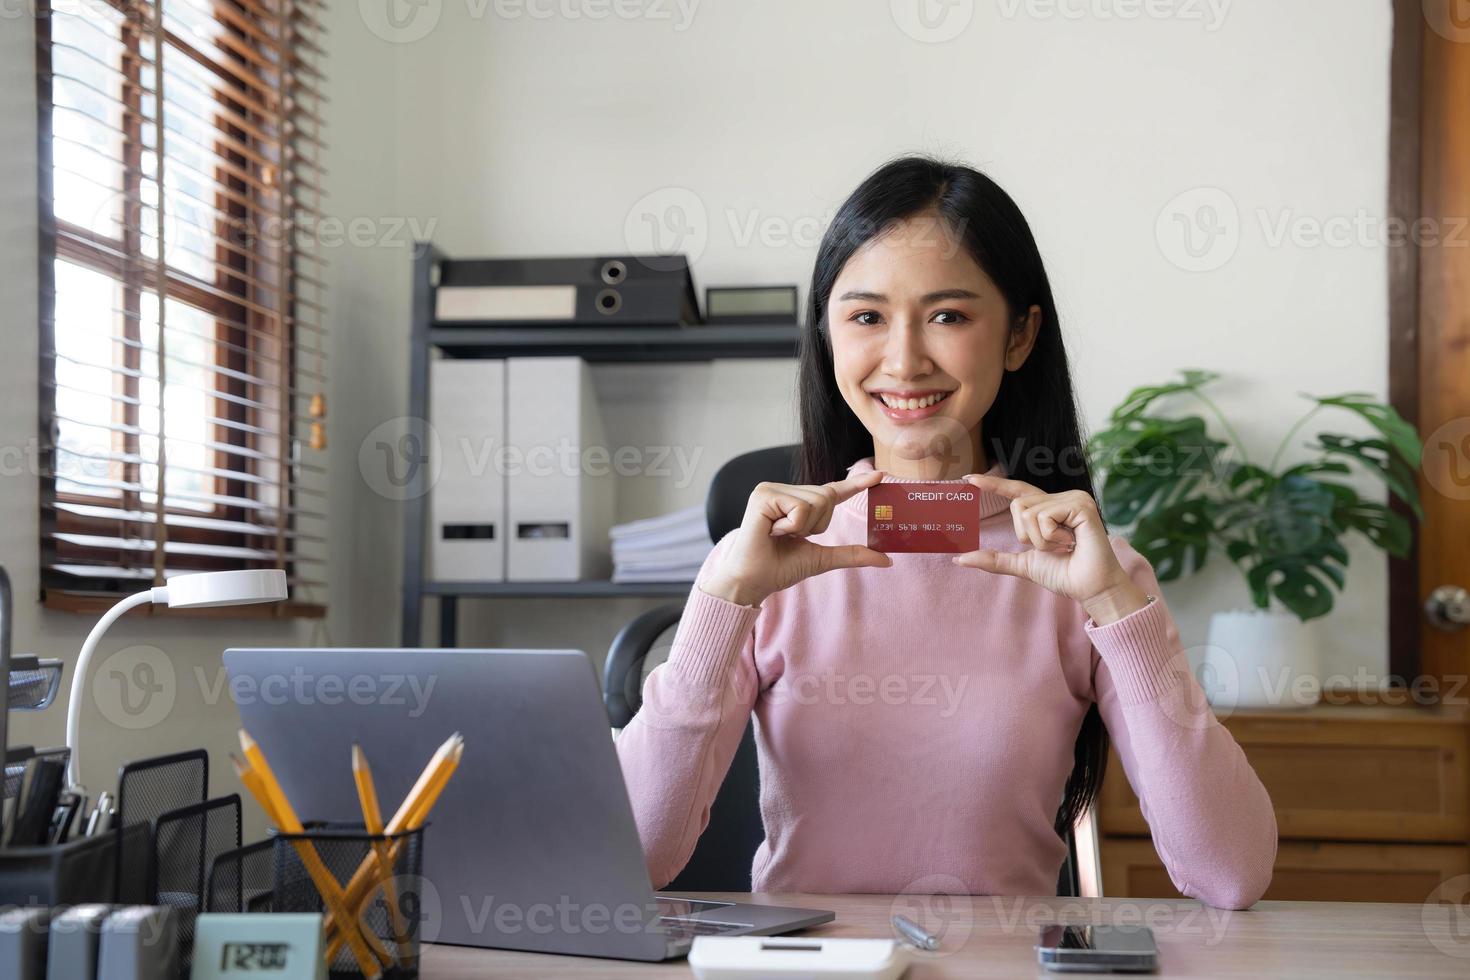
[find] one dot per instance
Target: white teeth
(912, 403)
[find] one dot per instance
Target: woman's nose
(904, 355)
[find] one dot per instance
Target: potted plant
(1182, 494)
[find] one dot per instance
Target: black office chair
(722, 858)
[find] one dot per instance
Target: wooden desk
(993, 937)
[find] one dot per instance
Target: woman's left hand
(1070, 553)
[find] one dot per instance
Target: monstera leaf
(1379, 457)
(1377, 523)
(1140, 399)
(1175, 486)
(1399, 433)
(1153, 463)
(1293, 515)
(1176, 539)
(1301, 581)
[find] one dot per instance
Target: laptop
(532, 846)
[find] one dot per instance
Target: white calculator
(765, 957)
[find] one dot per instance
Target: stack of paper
(669, 548)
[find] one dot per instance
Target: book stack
(669, 548)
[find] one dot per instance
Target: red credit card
(927, 517)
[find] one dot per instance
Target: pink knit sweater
(918, 721)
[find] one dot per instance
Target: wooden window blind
(182, 345)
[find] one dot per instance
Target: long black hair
(1031, 428)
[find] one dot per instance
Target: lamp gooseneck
(79, 674)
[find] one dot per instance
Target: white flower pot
(1257, 658)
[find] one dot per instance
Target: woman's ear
(1023, 338)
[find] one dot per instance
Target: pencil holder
(348, 860)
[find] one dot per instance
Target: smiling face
(920, 339)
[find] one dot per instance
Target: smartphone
(1097, 949)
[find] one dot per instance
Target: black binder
(621, 289)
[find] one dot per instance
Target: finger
(773, 510)
(1000, 562)
(1016, 524)
(854, 484)
(794, 520)
(1032, 528)
(1057, 534)
(1036, 516)
(822, 500)
(848, 556)
(1003, 486)
(1026, 530)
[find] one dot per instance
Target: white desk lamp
(199, 590)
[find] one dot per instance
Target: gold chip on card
(883, 512)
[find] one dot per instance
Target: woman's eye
(949, 317)
(867, 318)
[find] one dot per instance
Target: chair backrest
(722, 859)
(729, 491)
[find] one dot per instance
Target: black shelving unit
(627, 343)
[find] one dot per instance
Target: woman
(928, 714)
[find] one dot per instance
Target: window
(182, 337)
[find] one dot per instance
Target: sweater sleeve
(678, 747)
(1211, 819)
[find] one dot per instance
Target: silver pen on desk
(914, 935)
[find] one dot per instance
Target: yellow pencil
(372, 819)
(443, 763)
(263, 782)
(410, 815)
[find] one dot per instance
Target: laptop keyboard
(677, 929)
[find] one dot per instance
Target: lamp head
(241, 587)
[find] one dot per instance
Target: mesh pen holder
(390, 918)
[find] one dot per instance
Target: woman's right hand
(769, 552)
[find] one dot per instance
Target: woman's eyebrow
(934, 297)
(943, 294)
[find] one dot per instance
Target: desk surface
(993, 937)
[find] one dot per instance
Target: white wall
(521, 134)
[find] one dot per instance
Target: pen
(913, 934)
(97, 821)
